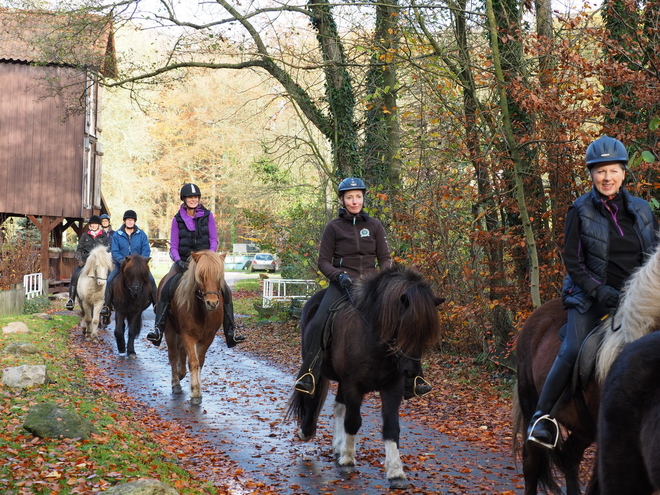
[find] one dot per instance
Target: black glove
(344, 280)
(607, 296)
(181, 265)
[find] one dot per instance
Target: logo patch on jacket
(364, 233)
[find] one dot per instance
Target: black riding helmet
(130, 214)
(95, 219)
(606, 149)
(189, 190)
(350, 184)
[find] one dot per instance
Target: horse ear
(223, 255)
(439, 300)
(195, 256)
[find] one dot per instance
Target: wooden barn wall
(41, 149)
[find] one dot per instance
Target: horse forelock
(99, 257)
(400, 306)
(637, 315)
(204, 273)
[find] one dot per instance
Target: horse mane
(99, 256)
(133, 268)
(400, 306)
(204, 267)
(637, 315)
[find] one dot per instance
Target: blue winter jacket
(123, 244)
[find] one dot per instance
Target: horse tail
(516, 424)
(307, 409)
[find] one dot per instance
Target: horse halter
(201, 295)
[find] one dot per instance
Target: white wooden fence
(34, 285)
(286, 289)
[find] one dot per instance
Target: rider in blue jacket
(129, 239)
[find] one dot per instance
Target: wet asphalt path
(242, 415)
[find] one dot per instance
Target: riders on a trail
(129, 239)
(92, 237)
(350, 246)
(193, 229)
(608, 235)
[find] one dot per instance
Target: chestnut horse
(377, 339)
(131, 294)
(577, 411)
(196, 315)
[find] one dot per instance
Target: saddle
(586, 361)
(328, 327)
(170, 287)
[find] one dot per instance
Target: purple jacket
(190, 225)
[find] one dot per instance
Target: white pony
(90, 290)
(638, 314)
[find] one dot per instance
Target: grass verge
(124, 449)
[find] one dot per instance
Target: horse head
(135, 274)
(98, 265)
(206, 272)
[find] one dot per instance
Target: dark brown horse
(537, 347)
(131, 295)
(577, 412)
(629, 423)
(196, 315)
(377, 340)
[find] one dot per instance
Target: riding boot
(156, 335)
(416, 386)
(543, 429)
(107, 304)
(72, 297)
(228, 325)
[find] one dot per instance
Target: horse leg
(339, 434)
(119, 331)
(134, 327)
(570, 456)
(390, 403)
(95, 318)
(177, 359)
(352, 424)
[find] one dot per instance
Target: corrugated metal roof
(43, 37)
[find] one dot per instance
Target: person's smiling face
(353, 201)
(608, 177)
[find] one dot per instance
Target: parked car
(264, 261)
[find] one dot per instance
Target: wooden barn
(50, 122)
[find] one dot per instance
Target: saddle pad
(586, 360)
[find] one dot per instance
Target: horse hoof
(398, 484)
(302, 436)
(177, 389)
(196, 401)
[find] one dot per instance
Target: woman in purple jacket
(353, 245)
(193, 229)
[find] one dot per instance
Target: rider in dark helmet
(92, 237)
(193, 229)
(608, 235)
(342, 259)
(127, 240)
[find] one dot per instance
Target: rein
(200, 294)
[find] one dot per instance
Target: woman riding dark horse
(608, 235)
(92, 237)
(350, 246)
(193, 230)
(126, 241)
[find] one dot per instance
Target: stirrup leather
(419, 380)
(300, 388)
(532, 438)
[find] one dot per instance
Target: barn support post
(45, 226)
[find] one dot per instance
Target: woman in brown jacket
(352, 245)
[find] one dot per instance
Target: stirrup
(419, 381)
(298, 385)
(532, 438)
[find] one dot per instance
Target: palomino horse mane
(638, 314)
(379, 299)
(205, 269)
(99, 256)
